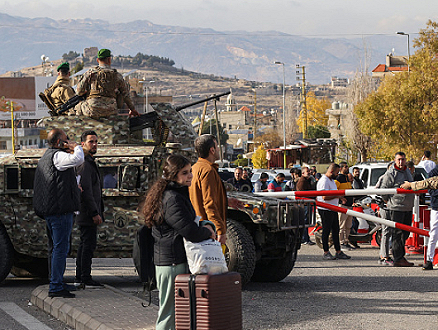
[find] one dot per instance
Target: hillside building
(393, 65)
(337, 82)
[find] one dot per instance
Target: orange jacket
(208, 194)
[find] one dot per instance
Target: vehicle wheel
(318, 238)
(26, 266)
(7, 253)
(240, 252)
(245, 188)
(274, 270)
(378, 236)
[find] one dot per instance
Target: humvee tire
(240, 253)
(27, 266)
(274, 270)
(7, 253)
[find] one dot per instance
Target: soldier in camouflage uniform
(61, 89)
(432, 184)
(101, 86)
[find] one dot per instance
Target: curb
(97, 309)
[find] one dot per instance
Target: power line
(217, 33)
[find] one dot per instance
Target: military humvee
(263, 238)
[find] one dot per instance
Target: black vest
(54, 192)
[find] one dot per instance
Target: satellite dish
(43, 57)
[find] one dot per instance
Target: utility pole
(255, 121)
(303, 102)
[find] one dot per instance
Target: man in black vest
(91, 211)
(56, 198)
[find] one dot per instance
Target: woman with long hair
(170, 214)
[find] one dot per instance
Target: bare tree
(361, 86)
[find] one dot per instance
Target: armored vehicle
(263, 238)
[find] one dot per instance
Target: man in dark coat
(91, 210)
(56, 198)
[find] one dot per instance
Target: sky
(315, 18)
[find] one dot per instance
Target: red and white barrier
(369, 217)
(347, 192)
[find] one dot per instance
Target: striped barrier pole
(369, 217)
(347, 192)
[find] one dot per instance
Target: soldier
(101, 85)
(61, 89)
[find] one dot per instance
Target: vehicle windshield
(376, 174)
(420, 174)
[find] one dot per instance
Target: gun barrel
(69, 104)
(183, 106)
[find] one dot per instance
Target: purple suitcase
(211, 302)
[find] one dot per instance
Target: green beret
(103, 53)
(64, 65)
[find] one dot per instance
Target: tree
(70, 56)
(270, 139)
(78, 67)
(361, 86)
(318, 131)
(403, 113)
(315, 111)
(212, 123)
(240, 161)
(259, 158)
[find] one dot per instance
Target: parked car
(371, 172)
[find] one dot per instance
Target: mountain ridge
(246, 55)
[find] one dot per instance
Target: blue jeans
(59, 227)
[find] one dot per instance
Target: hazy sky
(324, 18)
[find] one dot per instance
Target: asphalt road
(318, 294)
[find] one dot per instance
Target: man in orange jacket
(207, 192)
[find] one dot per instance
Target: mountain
(246, 55)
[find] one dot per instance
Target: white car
(371, 172)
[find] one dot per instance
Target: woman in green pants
(169, 212)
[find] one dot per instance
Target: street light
(145, 88)
(284, 116)
(409, 52)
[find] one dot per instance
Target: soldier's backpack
(143, 255)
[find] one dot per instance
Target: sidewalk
(97, 309)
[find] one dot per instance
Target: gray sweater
(393, 178)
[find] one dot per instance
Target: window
(27, 177)
(129, 177)
(12, 178)
(365, 177)
(110, 177)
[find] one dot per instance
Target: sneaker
(92, 283)
(346, 247)
(428, 265)
(386, 262)
(311, 243)
(328, 256)
(355, 245)
(351, 246)
(61, 294)
(342, 255)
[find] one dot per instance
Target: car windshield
(376, 173)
